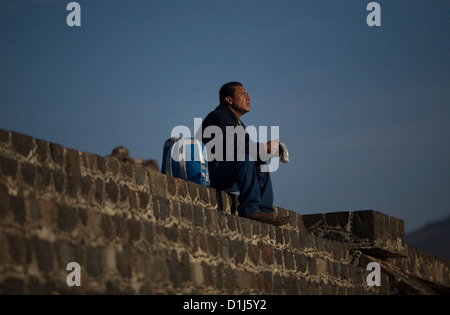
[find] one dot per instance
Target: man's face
(240, 102)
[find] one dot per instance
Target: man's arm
(272, 147)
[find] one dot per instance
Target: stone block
(94, 261)
(212, 245)
(279, 257)
(301, 262)
(158, 184)
(112, 165)
(4, 135)
(290, 286)
(33, 209)
(41, 151)
(57, 153)
(37, 287)
(304, 287)
(134, 229)
(85, 185)
(44, 254)
(368, 230)
(161, 207)
(203, 194)
(144, 199)
(230, 280)
(179, 269)
(212, 197)
(17, 207)
(198, 241)
(4, 202)
(171, 185)
(208, 274)
(16, 248)
(238, 250)
(132, 199)
(123, 193)
(141, 176)
(148, 232)
(120, 225)
(337, 250)
(98, 191)
(112, 190)
(198, 216)
(182, 189)
(28, 173)
(23, 144)
(72, 162)
(106, 226)
(89, 161)
(211, 221)
(288, 260)
(186, 213)
(254, 254)
(49, 212)
(8, 166)
(44, 175)
(83, 216)
(58, 180)
(12, 286)
(279, 236)
(73, 185)
(64, 253)
(243, 226)
(277, 283)
(185, 238)
(171, 233)
(67, 218)
(193, 190)
(101, 164)
(267, 254)
(126, 170)
(124, 262)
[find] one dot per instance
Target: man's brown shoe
(280, 221)
(262, 216)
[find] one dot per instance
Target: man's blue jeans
(245, 177)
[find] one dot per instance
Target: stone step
(371, 231)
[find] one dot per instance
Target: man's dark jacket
(222, 117)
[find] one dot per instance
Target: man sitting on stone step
(237, 163)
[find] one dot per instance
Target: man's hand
(272, 147)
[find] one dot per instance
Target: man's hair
(227, 90)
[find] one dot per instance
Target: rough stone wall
(136, 231)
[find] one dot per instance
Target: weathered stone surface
(4, 135)
(137, 231)
(368, 230)
(57, 153)
(67, 218)
(23, 144)
(8, 166)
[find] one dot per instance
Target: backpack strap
(182, 162)
(168, 160)
(203, 162)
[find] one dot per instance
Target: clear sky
(364, 111)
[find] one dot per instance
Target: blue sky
(365, 111)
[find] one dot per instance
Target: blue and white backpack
(185, 158)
